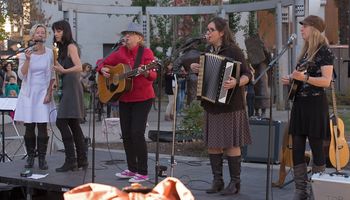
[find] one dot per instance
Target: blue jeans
(181, 95)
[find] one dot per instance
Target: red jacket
(142, 88)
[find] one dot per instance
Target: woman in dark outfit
(226, 126)
(71, 105)
(309, 115)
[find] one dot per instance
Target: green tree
(3, 34)
(343, 20)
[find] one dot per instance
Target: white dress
(30, 107)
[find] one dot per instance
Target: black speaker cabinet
(259, 130)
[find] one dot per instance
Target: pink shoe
(125, 174)
(138, 178)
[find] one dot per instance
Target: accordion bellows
(214, 70)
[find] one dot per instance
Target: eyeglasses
(210, 30)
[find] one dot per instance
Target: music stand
(6, 105)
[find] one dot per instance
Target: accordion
(214, 70)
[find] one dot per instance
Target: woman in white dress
(35, 106)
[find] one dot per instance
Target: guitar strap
(138, 56)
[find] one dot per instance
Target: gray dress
(71, 103)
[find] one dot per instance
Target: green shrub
(193, 121)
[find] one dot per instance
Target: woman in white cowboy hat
(135, 104)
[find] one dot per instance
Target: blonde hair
(36, 26)
(316, 39)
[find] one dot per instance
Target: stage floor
(195, 173)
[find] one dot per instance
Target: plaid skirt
(226, 130)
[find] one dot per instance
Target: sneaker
(125, 174)
(138, 178)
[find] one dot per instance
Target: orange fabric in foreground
(168, 189)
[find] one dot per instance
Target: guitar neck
(138, 71)
(334, 102)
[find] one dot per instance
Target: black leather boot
(70, 163)
(234, 165)
(81, 147)
(42, 148)
(216, 167)
(30, 147)
(300, 179)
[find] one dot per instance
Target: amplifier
(330, 187)
(259, 130)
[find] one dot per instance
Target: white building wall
(93, 30)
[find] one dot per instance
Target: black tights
(70, 128)
(30, 130)
(316, 144)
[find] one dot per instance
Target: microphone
(39, 41)
(291, 39)
(120, 42)
(31, 47)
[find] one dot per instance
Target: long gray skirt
(226, 130)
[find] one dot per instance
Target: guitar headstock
(55, 51)
(152, 65)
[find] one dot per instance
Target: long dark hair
(222, 26)
(67, 37)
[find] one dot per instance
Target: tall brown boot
(216, 167)
(318, 169)
(234, 164)
(300, 179)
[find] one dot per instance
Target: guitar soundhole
(112, 87)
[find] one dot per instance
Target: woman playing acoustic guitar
(309, 115)
(135, 104)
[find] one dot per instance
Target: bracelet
(306, 78)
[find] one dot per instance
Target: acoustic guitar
(119, 81)
(295, 85)
(338, 149)
(286, 158)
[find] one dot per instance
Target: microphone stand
(94, 89)
(158, 167)
(19, 51)
(172, 156)
(270, 66)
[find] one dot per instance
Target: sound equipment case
(257, 151)
(326, 186)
